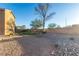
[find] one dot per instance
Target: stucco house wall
(7, 22)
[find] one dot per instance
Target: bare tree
(42, 10)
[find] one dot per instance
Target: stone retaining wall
(65, 30)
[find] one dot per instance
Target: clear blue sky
(25, 13)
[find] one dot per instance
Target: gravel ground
(50, 44)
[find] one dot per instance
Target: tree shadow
(10, 27)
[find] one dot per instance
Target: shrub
(56, 45)
(71, 38)
(25, 32)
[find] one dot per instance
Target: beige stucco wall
(9, 22)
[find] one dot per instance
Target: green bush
(25, 32)
(30, 32)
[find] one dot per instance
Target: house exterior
(7, 22)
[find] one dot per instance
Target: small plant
(56, 45)
(44, 32)
(71, 38)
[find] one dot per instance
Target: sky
(66, 13)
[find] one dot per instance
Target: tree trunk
(44, 24)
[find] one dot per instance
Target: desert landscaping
(39, 29)
(49, 44)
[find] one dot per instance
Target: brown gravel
(44, 45)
